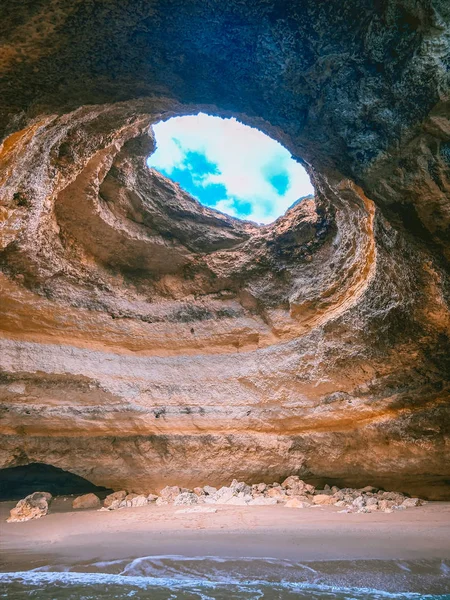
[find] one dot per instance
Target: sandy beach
(317, 534)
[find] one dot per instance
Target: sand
(315, 534)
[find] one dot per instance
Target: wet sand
(316, 534)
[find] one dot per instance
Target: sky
(229, 166)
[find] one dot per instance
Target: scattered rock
(292, 492)
(33, 506)
(86, 501)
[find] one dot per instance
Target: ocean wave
(106, 585)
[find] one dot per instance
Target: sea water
(218, 578)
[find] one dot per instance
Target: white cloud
(245, 158)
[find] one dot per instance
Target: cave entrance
(18, 482)
(229, 166)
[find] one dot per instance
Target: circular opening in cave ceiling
(229, 166)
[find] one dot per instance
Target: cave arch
(18, 482)
(334, 327)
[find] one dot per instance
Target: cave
(18, 482)
(148, 340)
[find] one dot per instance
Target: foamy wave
(201, 587)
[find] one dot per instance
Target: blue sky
(229, 166)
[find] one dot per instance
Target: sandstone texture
(147, 341)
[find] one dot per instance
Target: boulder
(113, 500)
(290, 481)
(209, 490)
(186, 498)
(276, 492)
(168, 494)
(152, 498)
(411, 502)
(323, 499)
(126, 502)
(359, 502)
(240, 487)
(138, 500)
(33, 506)
(296, 503)
(86, 501)
(221, 496)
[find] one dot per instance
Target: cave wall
(148, 340)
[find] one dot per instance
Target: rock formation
(33, 506)
(149, 341)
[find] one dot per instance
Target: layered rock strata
(147, 340)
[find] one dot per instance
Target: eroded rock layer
(147, 340)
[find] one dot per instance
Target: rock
(221, 496)
(323, 499)
(371, 502)
(261, 501)
(126, 502)
(33, 506)
(411, 502)
(368, 488)
(198, 491)
(138, 500)
(385, 505)
(209, 490)
(261, 487)
(276, 492)
(86, 501)
(113, 500)
(168, 494)
(152, 498)
(296, 503)
(359, 502)
(291, 481)
(240, 487)
(186, 498)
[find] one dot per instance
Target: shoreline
(321, 533)
(399, 552)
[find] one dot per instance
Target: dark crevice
(18, 482)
